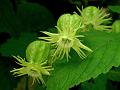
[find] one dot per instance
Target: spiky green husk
(34, 70)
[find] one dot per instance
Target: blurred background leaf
(34, 17)
(17, 46)
(27, 16)
(98, 83)
(7, 17)
(114, 74)
(115, 9)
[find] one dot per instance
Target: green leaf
(106, 50)
(115, 8)
(37, 51)
(34, 17)
(114, 75)
(17, 46)
(98, 83)
(7, 17)
(28, 17)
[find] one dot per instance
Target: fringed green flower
(66, 38)
(35, 64)
(96, 17)
(34, 70)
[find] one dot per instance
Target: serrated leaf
(115, 8)
(106, 50)
(17, 46)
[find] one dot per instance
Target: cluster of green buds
(68, 25)
(60, 43)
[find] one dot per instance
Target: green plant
(87, 41)
(61, 43)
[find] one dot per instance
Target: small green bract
(116, 26)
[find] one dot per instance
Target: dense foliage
(45, 49)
